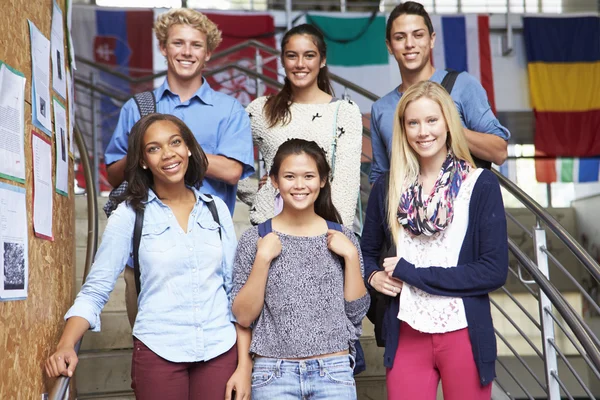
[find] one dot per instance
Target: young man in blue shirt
(187, 39)
(410, 39)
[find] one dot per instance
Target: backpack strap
(450, 79)
(146, 103)
(265, 228)
(137, 237)
(212, 207)
(335, 226)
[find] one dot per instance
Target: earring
(145, 167)
(323, 65)
(189, 153)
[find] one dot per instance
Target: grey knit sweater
(304, 313)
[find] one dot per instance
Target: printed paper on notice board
(14, 264)
(41, 148)
(40, 80)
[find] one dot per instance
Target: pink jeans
(423, 358)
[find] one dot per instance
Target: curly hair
(185, 16)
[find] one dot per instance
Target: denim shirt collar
(204, 93)
(199, 196)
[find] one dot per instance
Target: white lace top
(310, 122)
(423, 311)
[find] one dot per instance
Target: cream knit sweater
(310, 122)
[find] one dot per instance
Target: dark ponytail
(323, 205)
(277, 107)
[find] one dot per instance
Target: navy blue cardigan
(482, 268)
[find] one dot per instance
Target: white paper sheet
(40, 85)
(59, 82)
(71, 104)
(62, 156)
(12, 122)
(42, 185)
(14, 265)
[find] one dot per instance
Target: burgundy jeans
(153, 377)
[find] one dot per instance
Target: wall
(30, 328)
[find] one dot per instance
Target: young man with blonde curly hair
(187, 39)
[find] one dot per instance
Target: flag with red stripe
(463, 44)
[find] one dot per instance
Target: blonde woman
(447, 220)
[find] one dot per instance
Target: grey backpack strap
(145, 102)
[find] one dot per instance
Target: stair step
(122, 395)
(115, 333)
(103, 372)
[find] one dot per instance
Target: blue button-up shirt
(186, 279)
(218, 121)
(471, 102)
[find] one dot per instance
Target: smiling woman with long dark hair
(297, 282)
(306, 108)
(184, 335)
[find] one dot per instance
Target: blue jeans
(328, 378)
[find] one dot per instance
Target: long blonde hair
(404, 163)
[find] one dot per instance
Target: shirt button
(170, 215)
(193, 269)
(197, 309)
(198, 329)
(191, 249)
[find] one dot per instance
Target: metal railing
(62, 382)
(547, 348)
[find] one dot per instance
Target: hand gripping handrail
(62, 382)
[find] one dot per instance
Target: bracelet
(372, 275)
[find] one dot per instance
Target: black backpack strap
(450, 79)
(137, 237)
(212, 207)
(145, 102)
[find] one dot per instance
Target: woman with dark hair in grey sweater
(297, 283)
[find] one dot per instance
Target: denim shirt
(218, 121)
(186, 279)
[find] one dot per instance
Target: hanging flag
(563, 55)
(577, 170)
(356, 51)
(120, 39)
(463, 43)
(237, 28)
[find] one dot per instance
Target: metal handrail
(62, 382)
(573, 320)
(578, 251)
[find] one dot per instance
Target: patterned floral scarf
(429, 215)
